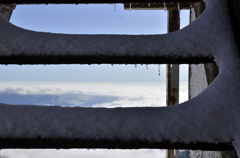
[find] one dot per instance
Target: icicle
(179, 9)
(159, 69)
(165, 8)
(148, 4)
(130, 7)
(114, 7)
(135, 65)
(146, 66)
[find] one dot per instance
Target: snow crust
(211, 117)
(17, 41)
(198, 81)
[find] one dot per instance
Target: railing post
(173, 69)
(6, 10)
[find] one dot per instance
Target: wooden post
(173, 69)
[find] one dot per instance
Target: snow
(211, 117)
(198, 80)
(34, 43)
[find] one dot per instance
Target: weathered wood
(154, 6)
(173, 69)
(6, 10)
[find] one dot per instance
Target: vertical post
(6, 10)
(173, 69)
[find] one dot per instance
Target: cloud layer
(73, 153)
(86, 95)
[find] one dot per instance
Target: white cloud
(73, 153)
(84, 94)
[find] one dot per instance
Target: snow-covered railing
(208, 121)
(30, 47)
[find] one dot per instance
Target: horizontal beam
(26, 126)
(86, 1)
(74, 59)
(19, 46)
(64, 143)
(154, 6)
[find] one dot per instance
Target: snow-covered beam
(19, 46)
(132, 128)
(87, 1)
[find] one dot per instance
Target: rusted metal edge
(86, 1)
(153, 6)
(74, 59)
(7, 143)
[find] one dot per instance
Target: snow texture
(198, 81)
(211, 117)
(17, 41)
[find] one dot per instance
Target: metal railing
(208, 38)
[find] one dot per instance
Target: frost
(165, 8)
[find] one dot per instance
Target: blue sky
(90, 19)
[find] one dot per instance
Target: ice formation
(211, 117)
